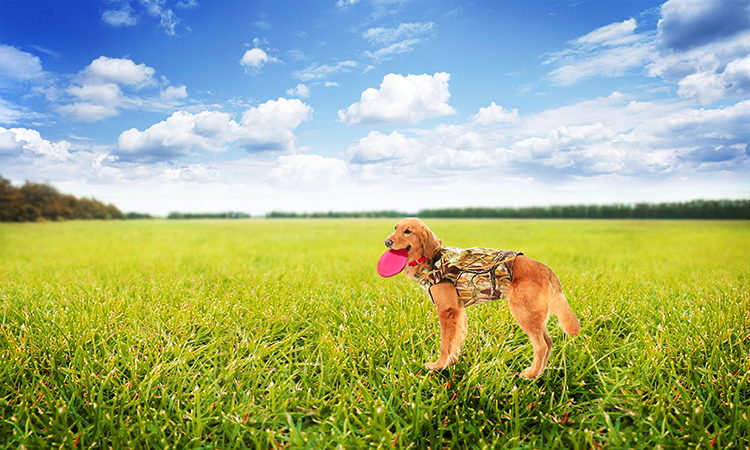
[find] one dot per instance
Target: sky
(362, 105)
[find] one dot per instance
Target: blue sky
(194, 106)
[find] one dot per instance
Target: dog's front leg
(453, 324)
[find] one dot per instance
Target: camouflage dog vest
(479, 274)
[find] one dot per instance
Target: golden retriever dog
(455, 278)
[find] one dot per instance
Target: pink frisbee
(392, 262)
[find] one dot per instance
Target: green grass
(275, 334)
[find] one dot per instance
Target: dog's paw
(529, 374)
(434, 366)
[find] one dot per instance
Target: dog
(455, 278)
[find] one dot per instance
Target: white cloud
(98, 93)
(385, 36)
(9, 113)
(254, 59)
(589, 148)
(316, 72)
(119, 71)
(384, 53)
(88, 112)
(377, 147)
(179, 135)
(691, 128)
(396, 40)
(167, 18)
(122, 17)
(687, 24)
(271, 125)
(703, 44)
(309, 172)
(17, 65)
(297, 55)
(707, 87)
(174, 93)
(299, 91)
(613, 34)
(268, 127)
(16, 140)
(607, 61)
(400, 99)
(122, 14)
(494, 114)
(629, 139)
(345, 3)
(191, 173)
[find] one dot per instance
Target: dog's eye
(407, 231)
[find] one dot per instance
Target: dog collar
(419, 261)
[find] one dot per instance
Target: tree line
(34, 202)
(37, 202)
(224, 215)
(697, 209)
(336, 215)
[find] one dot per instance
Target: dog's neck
(418, 261)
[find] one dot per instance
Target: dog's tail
(568, 321)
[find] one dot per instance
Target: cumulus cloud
(400, 99)
(589, 147)
(494, 114)
(630, 139)
(108, 85)
(378, 147)
(667, 143)
(98, 94)
(118, 71)
(123, 16)
(443, 150)
(703, 45)
(299, 91)
(174, 93)
(270, 126)
(179, 135)
(17, 65)
(18, 140)
(267, 127)
(309, 172)
(706, 46)
(254, 59)
(687, 24)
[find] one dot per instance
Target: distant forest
(697, 209)
(224, 215)
(35, 202)
(38, 202)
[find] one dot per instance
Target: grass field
(276, 334)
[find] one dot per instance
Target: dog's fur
(533, 294)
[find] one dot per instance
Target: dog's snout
(389, 242)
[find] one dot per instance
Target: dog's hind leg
(534, 324)
(453, 324)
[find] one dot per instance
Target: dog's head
(413, 235)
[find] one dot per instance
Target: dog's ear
(430, 243)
